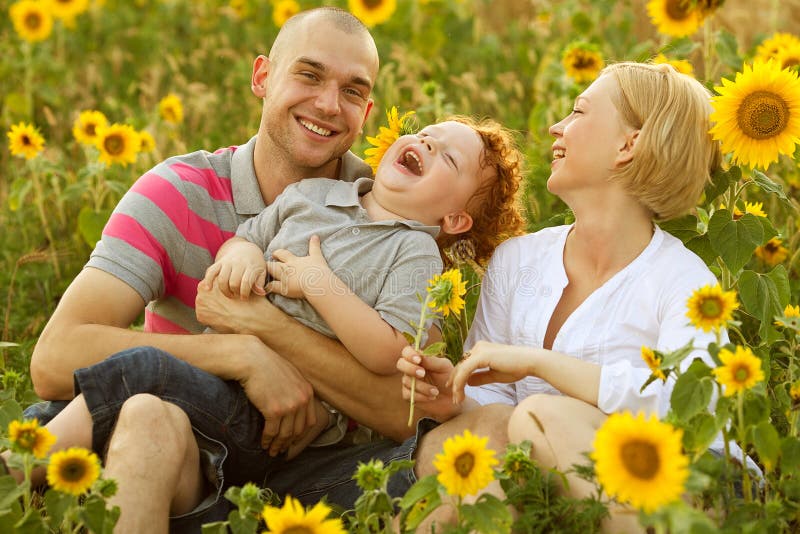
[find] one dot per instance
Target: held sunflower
(582, 62)
(398, 125)
(32, 21)
(73, 470)
(24, 140)
(740, 370)
(118, 143)
(283, 10)
(772, 252)
(292, 518)
(757, 116)
(640, 461)
(372, 12)
(30, 438)
(86, 126)
(676, 18)
(465, 465)
(447, 291)
(710, 308)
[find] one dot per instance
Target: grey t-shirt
(386, 263)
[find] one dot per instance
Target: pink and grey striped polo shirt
(166, 230)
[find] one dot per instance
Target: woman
(567, 309)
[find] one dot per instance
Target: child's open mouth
(411, 161)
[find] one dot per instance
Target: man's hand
(225, 315)
(294, 276)
(278, 390)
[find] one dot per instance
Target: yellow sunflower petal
(86, 126)
(171, 109)
(293, 518)
(740, 370)
(30, 438)
(283, 11)
(772, 252)
(31, 19)
(582, 62)
(118, 143)
(25, 140)
(710, 308)
(73, 470)
(372, 12)
(465, 465)
(677, 18)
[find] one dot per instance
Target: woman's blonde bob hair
(674, 156)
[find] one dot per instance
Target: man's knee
(146, 421)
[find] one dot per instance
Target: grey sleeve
(400, 299)
(262, 228)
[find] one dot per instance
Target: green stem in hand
(417, 338)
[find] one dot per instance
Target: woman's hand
(432, 374)
(488, 362)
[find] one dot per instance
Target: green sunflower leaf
(734, 240)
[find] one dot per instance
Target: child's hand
(239, 272)
(294, 276)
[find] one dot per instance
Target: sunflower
(676, 18)
(171, 109)
(86, 126)
(386, 136)
(446, 292)
(789, 56)
(770, 47)
(372, 12)
(146, 141)
(740, 370)
(582, 62)
(755, 208)
(794, 391)
(25, 140)
(465, 465)
(118, 143)
(639, 460)
(757, 117)
(772, 252)
(292, 518)
(789, 312)
(283, 11)
(240, 7)
(67, 10)
(73, 470)
(32, 21)
(30, 438)
(681, 65)
(653, 362)
(710, 308)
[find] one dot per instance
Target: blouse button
(356, 231)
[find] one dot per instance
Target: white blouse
(643, 304)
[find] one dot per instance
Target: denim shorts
(228, 430)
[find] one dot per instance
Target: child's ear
(457, 222)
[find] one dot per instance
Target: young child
(351, 259)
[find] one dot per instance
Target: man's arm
(91, 323)
(338, 378)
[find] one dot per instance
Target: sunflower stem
(748, 496)
(27, 467)
(708, 42)
(417, 339)
(39, 200)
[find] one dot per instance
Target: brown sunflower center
(790, 62)
(762, 115)
(27, 439)
(114, 144)
(711, 307)
(771, 247)
(90, 128)
(741, 374)
(677, 9)
(583, 61)
(299, 529)
(464, 464)
(640, 458)
(33, 20)
(73, 470)
(372, 4)
(26, 140)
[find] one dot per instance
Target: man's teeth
(559, 153)
(314, 128)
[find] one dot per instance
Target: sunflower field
(95, 92)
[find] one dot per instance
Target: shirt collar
(247, 198)
(346, 194)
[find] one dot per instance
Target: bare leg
(561, 430)
(72, 428)
(486, 421)
(154, 458)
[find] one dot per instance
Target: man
(315, 86)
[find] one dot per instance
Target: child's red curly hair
(494, 208)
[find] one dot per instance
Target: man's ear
(457, 222)
(258, 82)
(625, 154)
(370, 102)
